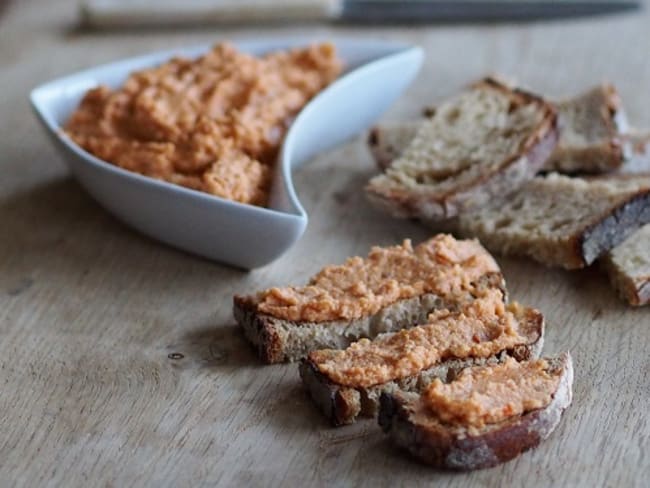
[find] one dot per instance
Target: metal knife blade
(420, 11)
(119, 13)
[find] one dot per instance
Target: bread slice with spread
(347, 383)
(392, 288)
(485, 416)
(485, 142)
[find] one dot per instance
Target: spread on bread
(213, 124)
(481, 329)
(491, 394)
(362, 286)
(485, 416)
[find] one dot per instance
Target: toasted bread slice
(562, 221)
(394, 287)
(485, 142)
(448, 432)
(346, 384)
(628, 266)
(591, 125)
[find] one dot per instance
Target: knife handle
(116, 13)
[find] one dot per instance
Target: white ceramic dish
(246, 236)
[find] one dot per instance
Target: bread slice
(485, 142)
(394, 287)
(628, 266)
(562, 221)
(388, 141)
(346, 384)
(636, 151)
(591, 135)
(590, 125)
(414, 425)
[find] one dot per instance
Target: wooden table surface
(120, 363)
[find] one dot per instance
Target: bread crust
(456, 448)
(343, 404)
(627, 272)
(589, 238)
(278, 340)
(507, 176)
(600, 236)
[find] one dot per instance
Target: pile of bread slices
(566, 183)
(426, 339)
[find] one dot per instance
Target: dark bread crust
(277, 340)
(608, 231)
(457, 448)
(258, 329)
(506, 177)
(343, 404)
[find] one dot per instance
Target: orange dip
(213, 124)
(361, 287)
(487, 395)
(481, 329)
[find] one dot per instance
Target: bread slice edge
(277, 340)
(447, 448)
(507, 176)
(341, 404)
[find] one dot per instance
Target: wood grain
(119, 360)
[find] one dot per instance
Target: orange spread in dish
(482, 328)
(487, 395)
(361, 287)
(213, 124)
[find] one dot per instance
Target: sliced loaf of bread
(628, 266)
(347, 383)
(392, 288)
(563, 221)
(485, 142)
(594, 136)
(485, 416)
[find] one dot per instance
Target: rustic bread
(394, 287)
(414, 426)
(591, 140)
(485, 142)
(590, 128)
(342, 397)
(388, 141)
(636, 151)
(562, 221)
(628, 266)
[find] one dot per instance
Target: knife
(106, 13)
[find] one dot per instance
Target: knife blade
(373, 11)
(116, 13)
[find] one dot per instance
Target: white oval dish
(246, 236)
